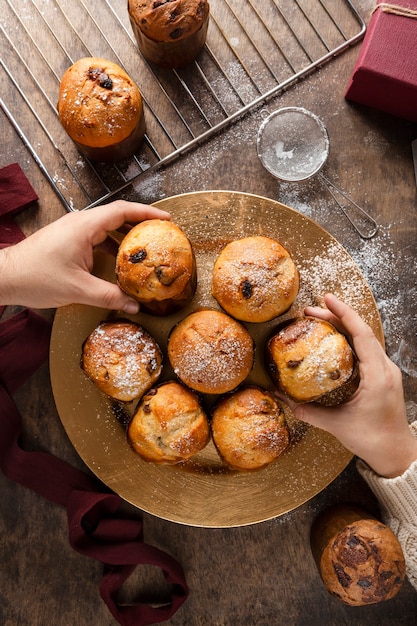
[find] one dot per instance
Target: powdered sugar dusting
(331, 270)
(381, 266)
(214, 354)
(127, 359)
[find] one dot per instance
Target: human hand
(52, 267)
(372, 424)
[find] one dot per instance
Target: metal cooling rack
(255, 49)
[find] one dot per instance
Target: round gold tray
(202, 492)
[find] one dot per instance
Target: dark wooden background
(263, 574)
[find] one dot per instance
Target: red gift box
(385, 74)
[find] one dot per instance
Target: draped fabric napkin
(16, 192)
(98, 528)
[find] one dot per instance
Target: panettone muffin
(122, 359)
(249, 429)
(156, 265)
(211, 352)
(101, 109)
(169, 425)
(359, 559)
(169, 33)
(308, 359)
(255, 279)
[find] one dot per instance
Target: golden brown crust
(211, 352)
(100, 106)
(169, 424)
(309, 359)
(255, 279)
(121, 359)
(249, 429)
(156, 265)
(169, 33)
(361, 561)
(168, 20)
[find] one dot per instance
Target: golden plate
(202, 492)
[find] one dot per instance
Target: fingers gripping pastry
(255, 279)
(360, 560)
(308, 359)
(249, 429)
(121, 359)
(101, 109)
(169, 33)
(156, 265)
(211, 352)
(169, 424)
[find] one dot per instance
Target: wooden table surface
(261, 574)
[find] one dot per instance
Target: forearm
(391, 454)
(398, 500)
(10, 276)
(398, 495)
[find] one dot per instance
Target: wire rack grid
(255, 49)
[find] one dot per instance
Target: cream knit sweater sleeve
(398, 500)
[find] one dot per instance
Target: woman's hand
(372, 423)
(52, 267)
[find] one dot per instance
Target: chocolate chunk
(159, 3)
(176, 34)
(201, 8)
(353, 541)
(342, 576)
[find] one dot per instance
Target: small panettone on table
(385, 74)
(359, 558)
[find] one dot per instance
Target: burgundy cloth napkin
(16, 192)
(98, 528)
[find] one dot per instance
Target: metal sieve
(293, 145)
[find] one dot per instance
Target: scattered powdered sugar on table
(411, 407)
(329, 268)
(148, 186)
(381, 267)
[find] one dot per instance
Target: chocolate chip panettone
(169, 33)
(359, 558)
